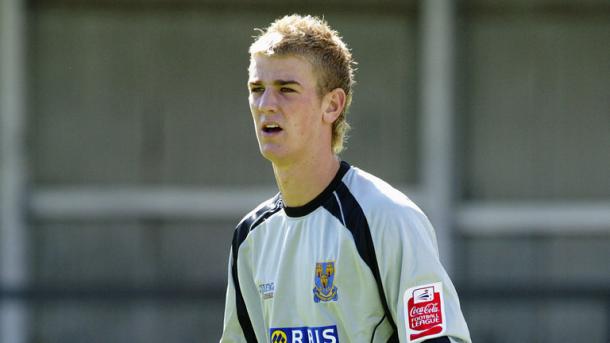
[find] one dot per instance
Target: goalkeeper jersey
(359, 263)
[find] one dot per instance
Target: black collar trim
(311, 206)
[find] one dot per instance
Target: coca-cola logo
(421, 310)
(424, 309)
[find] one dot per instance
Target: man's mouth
(271, 128)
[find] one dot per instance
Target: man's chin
(274, 155)
(270, 154)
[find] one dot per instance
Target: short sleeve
(422, 299)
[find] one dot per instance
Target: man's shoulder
(388, 211)
(376, 195)
(252, 220)
(260, 213)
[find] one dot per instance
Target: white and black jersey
(359, 263)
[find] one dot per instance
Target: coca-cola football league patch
(424, 312)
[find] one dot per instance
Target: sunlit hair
(312, 38)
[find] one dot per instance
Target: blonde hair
(312, 38)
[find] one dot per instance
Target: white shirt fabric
(306, 274)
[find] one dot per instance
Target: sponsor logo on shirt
(324, 278)
(266, 290)
(305, 334)
(424, 308)
(278, 336)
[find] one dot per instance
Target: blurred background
(127, 157)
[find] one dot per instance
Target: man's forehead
(267, 68)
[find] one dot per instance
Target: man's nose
(267, 103)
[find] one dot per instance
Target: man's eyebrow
(286, 82)
(276, 82)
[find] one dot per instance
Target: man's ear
(333, 104)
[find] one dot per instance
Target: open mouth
(271, 128)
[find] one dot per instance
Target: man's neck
(301, 182)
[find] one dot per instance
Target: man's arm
(422, 299)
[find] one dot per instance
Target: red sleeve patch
(424, 312)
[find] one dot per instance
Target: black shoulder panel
(349, 212)
(241, 232)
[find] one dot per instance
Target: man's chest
(309, 267)
(306, 278)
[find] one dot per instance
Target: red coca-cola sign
(425, 311)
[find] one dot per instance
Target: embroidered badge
(424, 311)
(324, 289)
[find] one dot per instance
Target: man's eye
(257, 90)
(287, 90)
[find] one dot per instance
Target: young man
(338, 255)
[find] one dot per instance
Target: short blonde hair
(312, 38)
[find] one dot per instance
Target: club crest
(324, 278)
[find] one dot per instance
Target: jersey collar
(311, 206)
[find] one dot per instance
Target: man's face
(286, 108)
